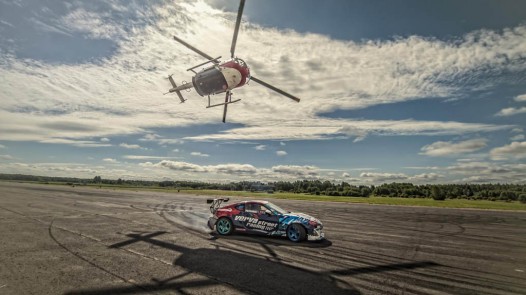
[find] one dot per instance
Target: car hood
(302, 217)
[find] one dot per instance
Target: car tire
(224, 226)
(296, 233)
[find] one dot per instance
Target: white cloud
(150, 137)
(98, 25)
(511, 111)
(515, 150)
(448, 148)
(235, 169)
(84, 103)
(7, 23)
(520, 98)
(281, 153)
(517, 137)
(6, 157)
(164, 141)
(113, 171)
(385, 177)
(260, 147)
(42, 26)
(377, 177)
(140, 157)
(297, 171)
(2, 146)
(282, 143)
(181, 166)
(346, 175)
(106, 96)
(484, 172)
(110, 160)
(199, 154)
(323, 128)
(160, 139)
(77, 143)
(175, 150)
(131, 146)
(517, 130)
(241, 169)
(426, 177)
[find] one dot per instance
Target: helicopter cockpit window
(241, 62)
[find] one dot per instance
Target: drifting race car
(262, 217)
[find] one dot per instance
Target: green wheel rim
(223, 226)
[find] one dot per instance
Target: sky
(391, 91)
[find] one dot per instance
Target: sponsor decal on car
(254, 223)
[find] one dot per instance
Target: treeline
(493, 192)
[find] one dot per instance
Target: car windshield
(275, 209)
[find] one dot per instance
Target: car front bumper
(316, 235)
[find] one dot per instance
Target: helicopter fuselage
(221, 78)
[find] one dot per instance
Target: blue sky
(406, 91)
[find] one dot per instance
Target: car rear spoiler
(215, 203)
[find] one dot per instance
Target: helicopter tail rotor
(177, 89)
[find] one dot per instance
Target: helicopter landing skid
(223, 103)
(228, 101)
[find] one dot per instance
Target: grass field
(449, 203)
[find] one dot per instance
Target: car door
(269, 218)
(247, 217)
(239, 217)
(260, 218)
(251, 217)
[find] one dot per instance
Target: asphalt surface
(78, 240)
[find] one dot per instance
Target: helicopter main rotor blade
(226, 105)
(252, 78)
(236, 30)
(195, 49)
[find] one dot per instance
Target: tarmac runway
(79, 240)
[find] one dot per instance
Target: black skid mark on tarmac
(50, 232)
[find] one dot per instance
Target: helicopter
(221, 77)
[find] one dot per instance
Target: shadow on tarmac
(274, 241)
(244, 272)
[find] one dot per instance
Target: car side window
(240, 207)
(270, 209)
(252, 207)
